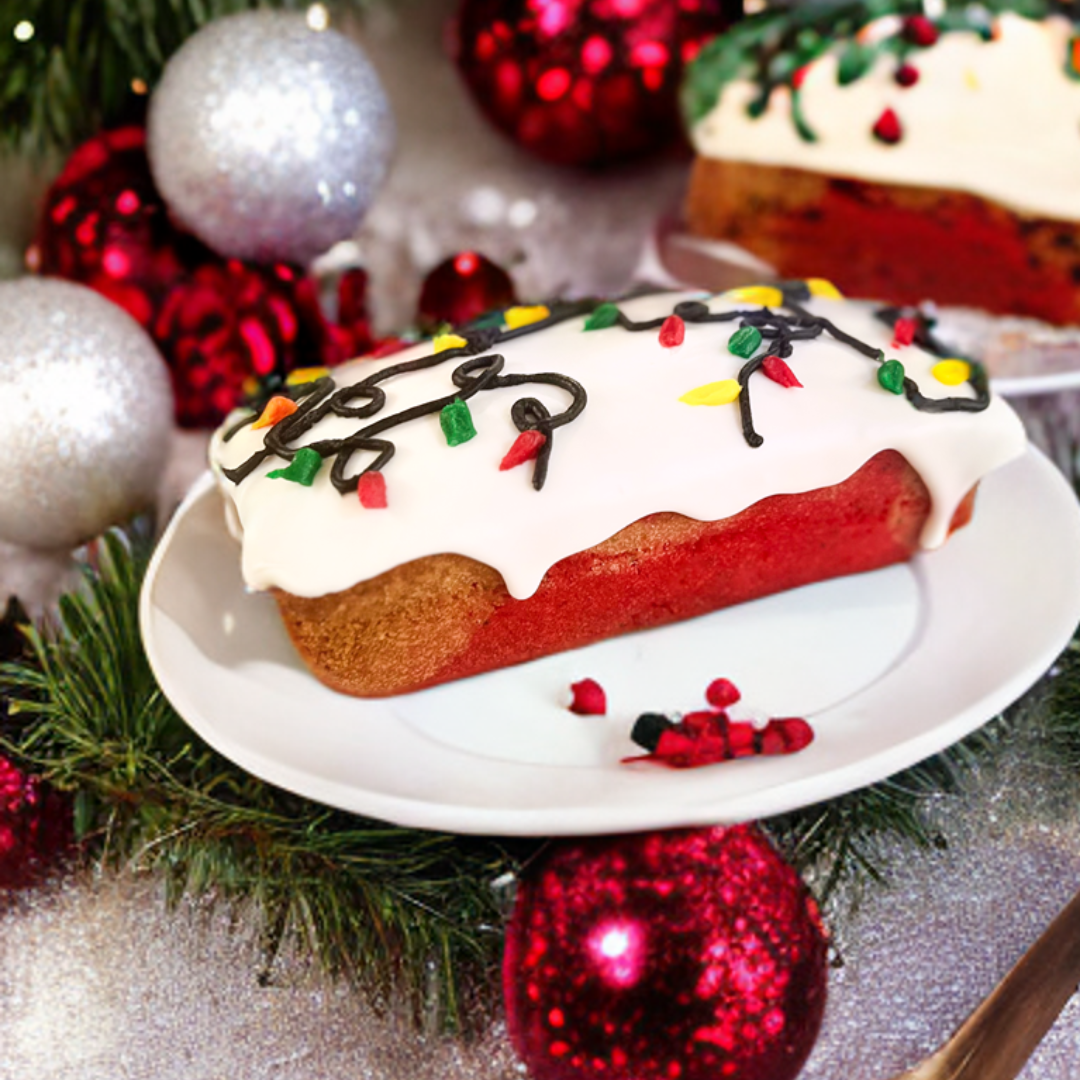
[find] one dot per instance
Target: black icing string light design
(782, 331)
(366, 398)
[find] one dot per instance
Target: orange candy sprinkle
(277, 408)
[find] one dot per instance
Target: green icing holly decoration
(891, 376)
(302, 469)
(771, 49)
(457, 423)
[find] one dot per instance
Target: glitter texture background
(98, 981)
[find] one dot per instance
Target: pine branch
(76, 66)
(851, 839)
(381, 905)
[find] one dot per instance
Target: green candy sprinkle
(744, 342)
(891, 376)
(456, 423)
(301, 469)
(602, 317)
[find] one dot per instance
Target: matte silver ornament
(268, 139)
(85, 411)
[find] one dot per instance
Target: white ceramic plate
(889, 668)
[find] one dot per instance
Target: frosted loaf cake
(654, 481)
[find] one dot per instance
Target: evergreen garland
(68, 68)
(395, 910)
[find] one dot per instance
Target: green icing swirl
(770, 48)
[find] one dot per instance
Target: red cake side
(446, 617)
(893, 242)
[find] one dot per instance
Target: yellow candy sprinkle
(818, 286)
(714, 393)
(524, 316)
(305, 374)
(971, 79)
(765, 295)
(951, 372)
(443, 342)
(250, 386)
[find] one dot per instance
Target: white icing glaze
(999, 119)
(635, 450)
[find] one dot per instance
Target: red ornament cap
(689, 954)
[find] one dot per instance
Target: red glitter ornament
(583, 82)
(684, 955)
(218, 323)
(463, 288)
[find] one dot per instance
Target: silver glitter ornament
(268, 139)
(85, 411)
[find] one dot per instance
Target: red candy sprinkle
(888, 129)
(371, 487)
(722, 693)
(906, 75)
(708, 736)
(779, 372)
(919, 30)
(903, 332)
(589, 698)
(526, 446)
(672, 332)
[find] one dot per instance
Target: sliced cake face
(903, 150)
(982, 99)
(524, 443)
